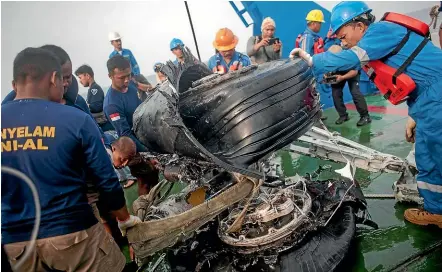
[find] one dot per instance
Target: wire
(34, 234)
(193, 31)
(352, 174)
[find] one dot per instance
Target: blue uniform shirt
(128, 55)
(11, 96)
(237, 58)
(95, 98)
(119, 109)
(307, 41)
(40, 140)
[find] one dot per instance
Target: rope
(34, 234)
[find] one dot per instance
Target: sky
(82, 28)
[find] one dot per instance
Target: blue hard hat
(175, 42)
(346, 11)
(157, 66)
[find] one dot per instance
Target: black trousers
(358, 98)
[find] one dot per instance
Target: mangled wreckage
(215, 133)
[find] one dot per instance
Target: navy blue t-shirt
(56, 147)
(95, 98)
(119, 109)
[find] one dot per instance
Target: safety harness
(318, 46)
(221, 69)
(393, 83)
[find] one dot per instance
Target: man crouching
(141, 164)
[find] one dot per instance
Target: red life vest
(318, 46)
(391, 82)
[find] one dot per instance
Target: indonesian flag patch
(115, 116)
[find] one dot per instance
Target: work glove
(303, 55)
(410, 130)
(129, 223)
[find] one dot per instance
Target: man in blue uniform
(95, 96)
(115, 40)
(352, 79)
(38, 139)
(227, 59)
(122, 99)
(353, 24)
(176, 46)
(70, 95)
(311, 42)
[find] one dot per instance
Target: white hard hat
(114, 36)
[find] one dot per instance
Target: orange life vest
(221, 69)
(318, 45)
(391, 82)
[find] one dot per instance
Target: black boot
(364, 120)
(342, 119)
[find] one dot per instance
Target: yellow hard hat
(315, 16)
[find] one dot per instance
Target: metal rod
(193, 31)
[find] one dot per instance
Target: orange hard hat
(225, 40)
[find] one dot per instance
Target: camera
(273, 41)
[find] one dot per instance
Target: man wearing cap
(311, 42)
(354, 25)
(176, 46)
(115, 40)
(227, 58)
(258, 48)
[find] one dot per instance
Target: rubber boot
(364, 121)
(342, 119)
(422, 217)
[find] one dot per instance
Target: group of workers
(73, 150)
(365, 40)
